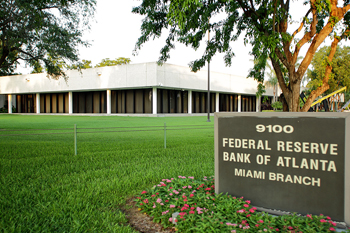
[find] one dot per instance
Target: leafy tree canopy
(267, 25)
(117, 61)
(340, 74)
(42, 31)
(84, 64)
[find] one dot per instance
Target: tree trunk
(284, 103)
(325, 86)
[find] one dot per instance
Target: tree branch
(321, 36)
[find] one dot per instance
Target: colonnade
(159, 101)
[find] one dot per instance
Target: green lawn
(44, 187)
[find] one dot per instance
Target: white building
(144, 88)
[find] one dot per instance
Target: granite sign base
(293, 162)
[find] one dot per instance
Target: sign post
(293, 162)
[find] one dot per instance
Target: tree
(340, 74)
(266, 25)
(117, 61)
(84, 64)
(42, 31)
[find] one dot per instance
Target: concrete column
(154, 100)
(239, 103)
(37, 102)
(217, 104)
(109, 102)
(70, 100)
(258, 101)
(9, 104)
(189, 102)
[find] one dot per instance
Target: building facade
(144, 88)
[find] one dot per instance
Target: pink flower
(189, 186)
(170, 219)
(331, 229)
(159, 200)
(191, 195)
(260, 221)
(323, 220)
(257, 225)
(182, 213)
(145, 201)
(246, 205)
(247, 201)
(309, 216)
(191, 212)
(199, 210)
(233, 231)
(165, 212)
(172, 206)
(290, 228)
(143, 192)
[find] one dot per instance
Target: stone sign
(294, 162)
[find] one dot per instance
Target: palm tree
(272, 81)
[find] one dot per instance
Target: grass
(46, 188)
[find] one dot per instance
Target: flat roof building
(144, 88)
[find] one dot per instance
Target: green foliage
(84, 64)
(263, 23)
(37, 68)
(277, 105)
(30, 30)
(117, 61)
(201, 210)
(340, 75)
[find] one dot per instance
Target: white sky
(115, 31)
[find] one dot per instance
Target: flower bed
(198, 209)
